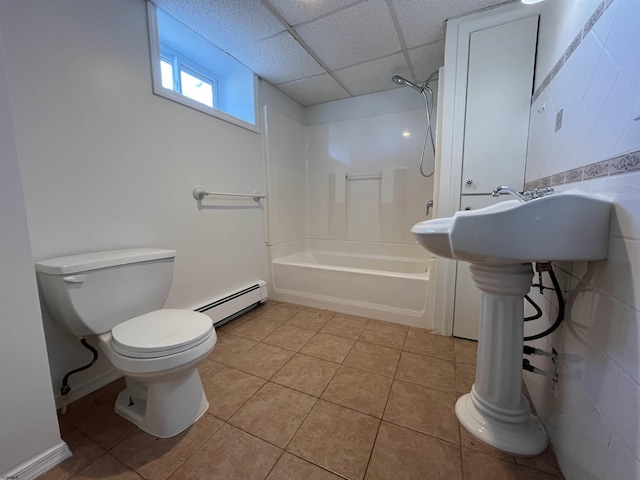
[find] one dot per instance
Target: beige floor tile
(545, 462)
(466, 351)
(400, 453)
(230, 454)
(289, 338)
(208, 368)
(384, 335)
(389, 324)
(429, 372)
(424, 342)
(423, 409)
(479, 466)
(107, 467)
(337, 439)
(262, 360)
(290, 467)
(232, 325)
(84, 452)
(310, 319)
(373, 358)
(228, 390)
(93, 415)
(328, 347)
(156, 458)
(345, 326)
(285, 304)
(469, 441)
(306, 374)
(279, 314)
(465, 377)
(229, 347)
(256, 329)
(274, 413)
(362, 391)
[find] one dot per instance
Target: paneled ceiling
(316, 51)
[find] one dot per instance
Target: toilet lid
(160, 333)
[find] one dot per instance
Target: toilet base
(523, 436)
(166, 407)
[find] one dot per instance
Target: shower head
(406, 83)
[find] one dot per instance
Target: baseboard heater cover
(225, 309)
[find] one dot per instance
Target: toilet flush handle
(75, 278)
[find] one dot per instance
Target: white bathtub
(384, 281)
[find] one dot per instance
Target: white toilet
(118, 295)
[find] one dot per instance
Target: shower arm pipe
(199, 193)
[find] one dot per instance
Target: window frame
(182, 63)
(156, 50)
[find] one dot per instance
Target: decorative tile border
(595, 16)
(624, 163)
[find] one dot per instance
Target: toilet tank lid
(95, 260)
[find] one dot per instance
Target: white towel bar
(371, 176)
(199, 193)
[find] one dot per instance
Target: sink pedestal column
(495, 410)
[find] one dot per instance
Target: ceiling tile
(427, 59)
(421, 21)
(357, 34)
(297, 11)
(375, 75)
(313, 90)
(225, 23)
(278, 59)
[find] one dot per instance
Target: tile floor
(298, 393)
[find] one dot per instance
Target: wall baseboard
(39, 464)
(91, 385)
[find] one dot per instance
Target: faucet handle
(538, 193)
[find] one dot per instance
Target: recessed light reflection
(406, 134)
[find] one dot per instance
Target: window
(190, 70)
(188, 78)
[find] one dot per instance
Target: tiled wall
(593, 412)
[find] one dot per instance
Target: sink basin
(570, 226)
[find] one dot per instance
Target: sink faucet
(524, 196)
(496, 192)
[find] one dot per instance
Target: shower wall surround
(363, 182)
(593, 412)
(347, 170)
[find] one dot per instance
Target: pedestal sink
(501, 242)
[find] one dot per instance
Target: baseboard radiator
(225, 309)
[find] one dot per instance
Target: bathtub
(383, 281)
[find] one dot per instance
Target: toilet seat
(161, 333)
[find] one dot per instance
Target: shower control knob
(469, 182)
(467, 207)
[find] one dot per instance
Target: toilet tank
(91, 293)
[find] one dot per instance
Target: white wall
(28, 423)
(106, 164)
(593, 414)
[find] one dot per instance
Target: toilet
(118, 295)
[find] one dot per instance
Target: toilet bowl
(117, 295)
